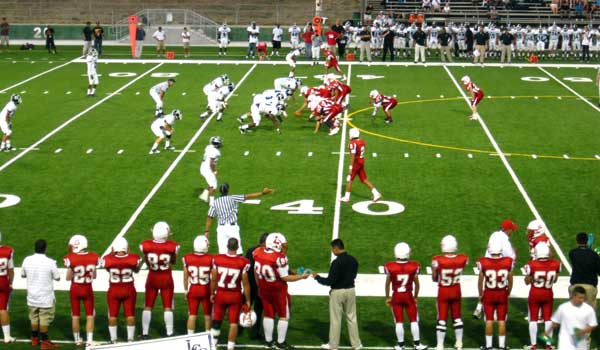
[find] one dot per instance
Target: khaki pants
(160, 45)
(342, 302)
(419, 51)
(365, 47)
(445, 51)
(505, 50)
(590, 298)
(87, 45)
(139, 46)
(481, 50)
(41, 315)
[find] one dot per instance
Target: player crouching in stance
(81, 271)
(208, 169)
(338, 90)
(91, 59)
(541, 273)
(6, 117)
(157, 92)
(216, 91)
(291, 58)
(476, 95)
(160, 255)
(196, 283)
(402, 274)
(446, 271)
(494, 285)
(261, 106)
(272, 274)
(357, 166)
(331, 62)
(121, 265)
(228, 284)
(290, 85)
(386, 102)
(326, 112)
(164, 128)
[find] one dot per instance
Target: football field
(82, 166)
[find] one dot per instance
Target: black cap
(224, 188)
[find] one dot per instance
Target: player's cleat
(242, 130)
(530, 347)
(170, 148)
(48, 345)
(284, 346)
(484, 348)
(9, 340)
(144, 337)
(154, 151)
(398, 347)
(377, 198)
(203, 115)
(421, 347)
(269, 344)
(334, 131)
(458, 345)
(477, 314)
(325, 347)
(388, 120)
(344, 199)
(472, 117)
(79, 342)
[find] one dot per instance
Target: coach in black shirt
(87, 34)
(388, 43)
(586, 268)
(255, 299)
(342, 298)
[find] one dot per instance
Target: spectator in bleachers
(98, 37)
(367, 16)
(365, 43)
(436, 6)
(253, 31)
(186, 37)
(447, 7)
(586, 268)
(87, 34)
(4, 32)
(160, 36)
(481, 39)
(140, 35)
(307, 36)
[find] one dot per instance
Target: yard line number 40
(307, 207)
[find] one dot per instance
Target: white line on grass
(171, 168)
(570, 89)
(340, 178)
(38, 75)
(514, 177)
(74, 118)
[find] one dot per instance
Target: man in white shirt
(40, 272)
(160, 37)
(223, 34)
(576, 320)
(277, 36)
(186, 36)
(253, 31)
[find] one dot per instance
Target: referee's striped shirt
(225, 209)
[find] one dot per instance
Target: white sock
(375, 192)
(501, 341)
(204, 114)
(547, 327)
(414, 329)
(89, 91)
(90, 337)
(458, 332)
(8, 145)
(112, 330)
(93, 91)
(169, 322)
(268, 325)
(6, 331)
(146, 317)
(400, 332)
(488, 341)
(243, 117)
(282, 327)
(2, 144)
(533, 332)
(76, 337)
(230, 345)
(219, 116)
(347, 195)
(479, 307)
(154, 146)
(167, 143)
(130, 332)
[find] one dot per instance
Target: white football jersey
(169, 119)
(210, 152)
(292, 54)
(8, 110)
(224, 32)
(186, 36)
(253, 34)
(294, 32)
(91, 64)
(273, 96)
(286, 83)
(222, 92)
(164, 86)
(217, 83)
(277, 34)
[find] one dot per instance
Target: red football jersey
(159, 257)
(270, 267)
(449, 269)
(382, 100)
(472, 87)
(83, 266)
(357, 147)
(121, 268)
(6, 262)
(534, 240)
(198, 267)
(495, 271)
(402, 275)
(544, 273)
(229, 271)
(337, 85)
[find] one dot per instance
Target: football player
(291, 58)
(260, 106)
(196, 283)
(294, 32)
(271, 271)
(494, 286)
(387, 102)
(326, 112)
(357, 166)
(121, 265)
(215, 85)
(536, 234)
(7, 275)
(224, 31)
(309, 94)
(476, 95)
(331, 62)
(228, 285)
(91, 59)
(157, 92)
(565, 46)
(164, 128)
(81, 271)
(208, 168)
(402, 274)
(6, 116)
(217, 102)
(446, 270)
(288, 83)
(339, 90)
(541, 273)
(160, 255)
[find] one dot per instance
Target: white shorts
(576, 45)
(530, 45)
(256, 117)
(316, 52)
(540, 46)
(294, 43)
(156, 128)
(291, 63)
(156, 97)
(400, 43)
(433, 43)
(93, 79)
(223, 43)
(493, 46)
(553, 45)
(376, 43)
(520, 45)
(565, 45)
(462, 45)
(224, 233)
(209, 176)
(5, 128)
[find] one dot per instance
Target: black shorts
(276, 44)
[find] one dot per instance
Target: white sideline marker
(68, 92)
(559, 97)
(406, 155)
(24, 91)
(120, 151)
(89, 151)
(278, 153)
(534, 156)
(565, 156)
(470, 155)
(380, 269)
(46, 92)
(310, 154)
(183, 93)
(374, 155)
(597, 156)
(137, 92)
(535, 97)
(58, 150)
(437, 155)
(246, 153)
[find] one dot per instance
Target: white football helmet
(373, 93)
(275, 241)
(495, 247)
(161, 231)
(329, 78)
(542, 251)
(216, 141)
(78, 243)
(177, 114)
(201, 244)
(465, 79)
(402, 251)
(247, 319)
(354, 133)
(304, 90)
(16, 98)
(537, 227)
(93, 52)
(120, 245)
(449, 244)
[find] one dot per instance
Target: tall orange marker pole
(133, 21)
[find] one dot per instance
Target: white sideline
(514, 177)
(570, 89)
(340, 178)
(169, 170)
(39, 75)
(74, 118)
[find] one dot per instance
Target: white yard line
(340, 179)
(38, 75)
(171, 168)
(74, 118)
(514, 177)
(570, 89)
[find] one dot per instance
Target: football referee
(225, 210)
